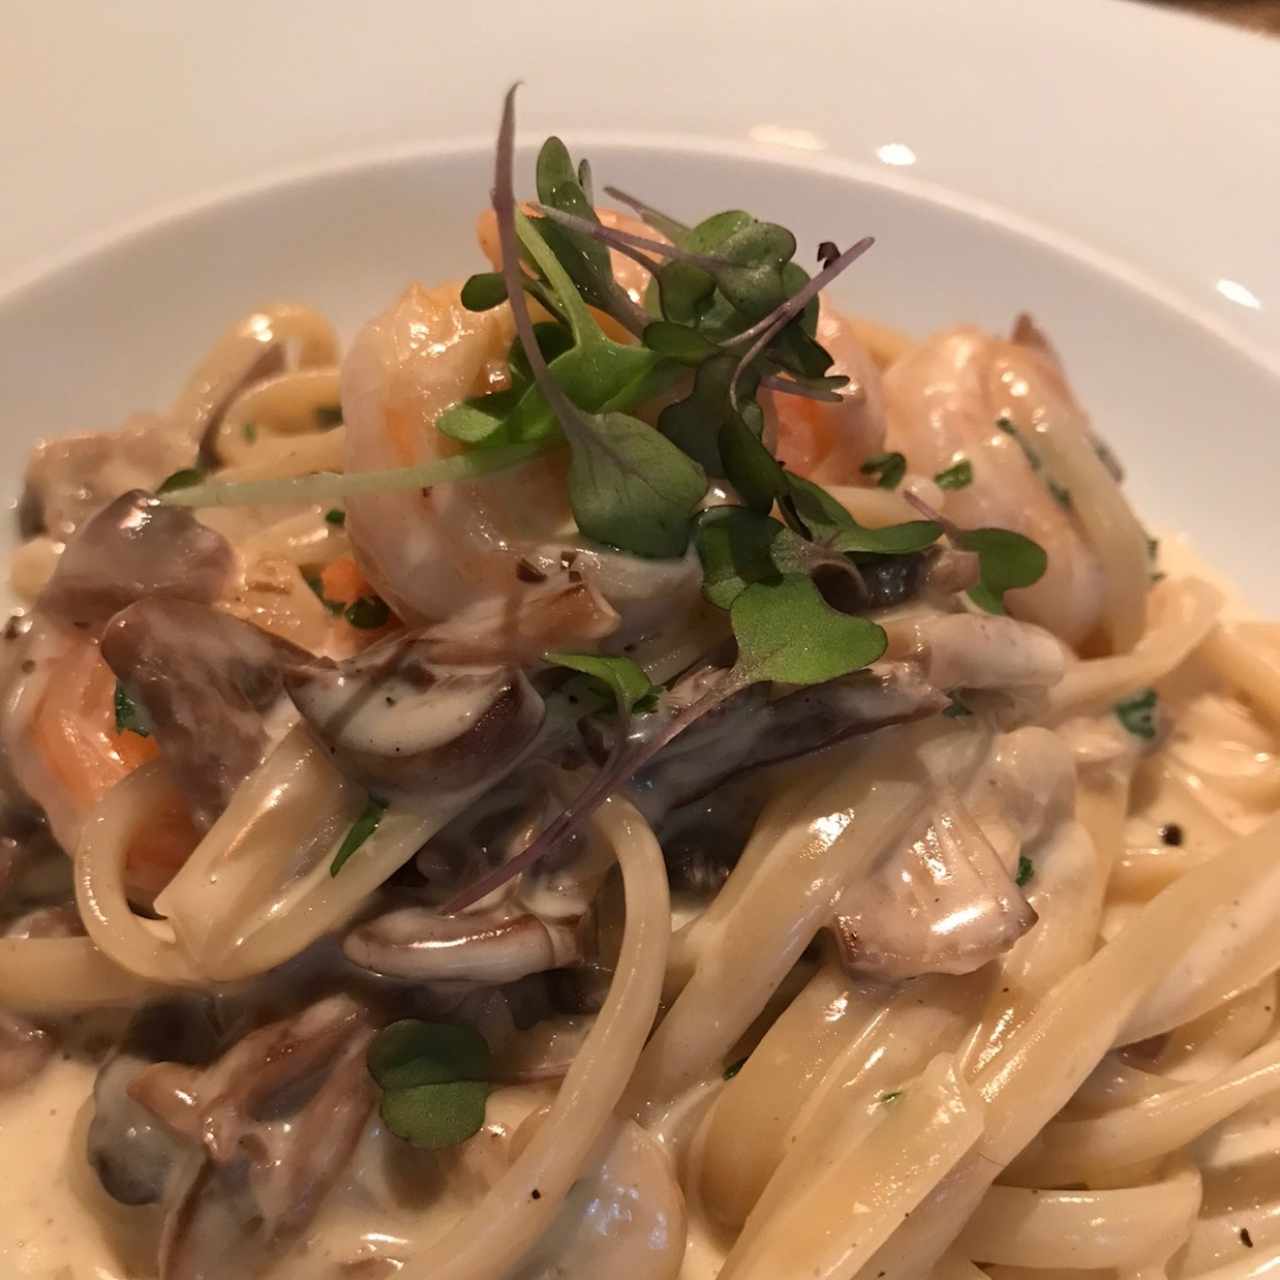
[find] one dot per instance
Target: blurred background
(1261, 15)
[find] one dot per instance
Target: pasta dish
(629, 770)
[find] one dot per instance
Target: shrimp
(1005, 408)
(65, 750)
(830, 442)
(433, 553)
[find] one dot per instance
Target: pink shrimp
(964, 394)
(66, 751)
(830, 442)
(457, 548)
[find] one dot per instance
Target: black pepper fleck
(537, 1195)
(1171, 834)
(1245, 1238)
(28, 666)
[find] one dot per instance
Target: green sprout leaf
(679, 342)
(410, 1053)
(815, 510)
(738, 547)
(129, 717)
(892, 540)
(888, 468)
(751, 281)
(433, 1076)
(752, 470)
(828, 522)
(597, 374)
(1140, 714)
(631, 688)
(694, 423)
(585, 259)
(484, 291)
(554, 340)
(1006, 561)
(433, 1117)
(363, 827)
(787, 632)
(631, 488)
(957, 476)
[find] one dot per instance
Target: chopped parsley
(250, 433)
(368, 613)
(129, 718)
(336, 516)
(1026, 870)
(361, 829)
(1140, 714)
(888, 468)
(187, 478)
(957, 476)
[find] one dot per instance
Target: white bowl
(1189, 410)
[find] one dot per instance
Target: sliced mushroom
(565, 612)
(136, 547)
(409, 728)
(216, 1106)
(702, 841)
(950, 572)
(749, 732)
(626, 1217)
(1025, 788)
(295, 1162)
(489, 947)
(71, 478)
(256, 1185)
(943, 903)
(132, 1152)
(649, 596)
(211, 688)
(978, 651)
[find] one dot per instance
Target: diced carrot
(160, 847)
(75, 729)
(343, 582)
